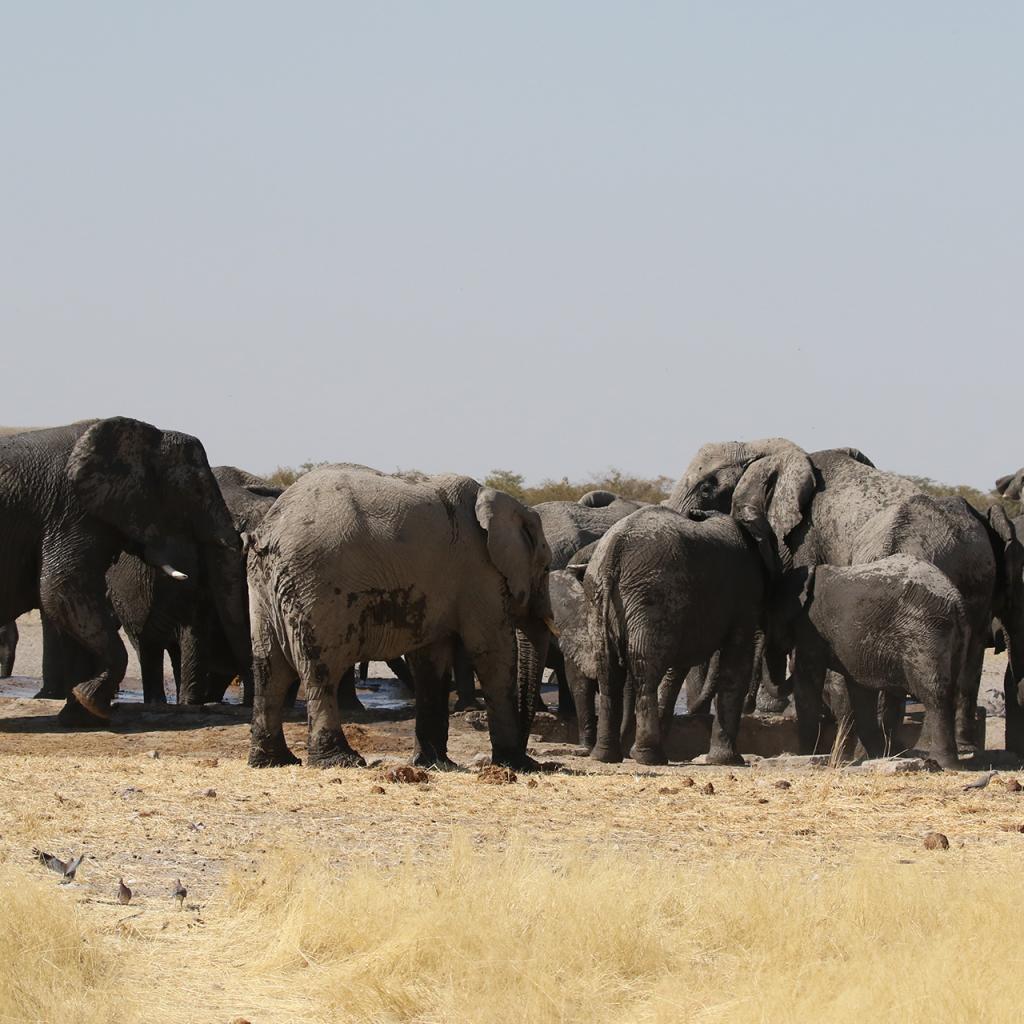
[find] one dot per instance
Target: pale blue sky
(550, 237)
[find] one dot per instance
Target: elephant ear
(858, 456)
(597, 499)
(112, 469)
(515, 542)
(778, 487)
(569, 611)
(1010, 486)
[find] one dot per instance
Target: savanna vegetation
(653, 489)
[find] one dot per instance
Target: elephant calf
(351, 564)
(664, 591)
(897, 623)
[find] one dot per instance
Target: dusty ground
(198, 813)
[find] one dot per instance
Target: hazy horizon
(551, 239)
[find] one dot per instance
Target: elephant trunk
(532, 638)
(226, 576)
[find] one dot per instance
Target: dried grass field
(788, 894)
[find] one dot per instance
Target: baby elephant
(895, 623)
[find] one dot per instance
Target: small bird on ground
(179, 892)
(981, 782)
(124, 894)
(67, 869)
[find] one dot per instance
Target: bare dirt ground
(166, 794)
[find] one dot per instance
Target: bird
(179, 892)
(981, 782)
(67, 869)
(124, 894)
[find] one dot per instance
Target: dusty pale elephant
(352, 564)
(834, 507)
(664, 591)
(72, 499)
(895, 623)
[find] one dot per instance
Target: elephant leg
(151, 664)
(611, 687)
(627, 732)
(8, 647)
(699, 691)
(967, 696)
(941, 718)
(556, 662)
(347, 699)
(735, 660)
(1014, 715)
(584, 693)
(646, 677)
(174, 654)
(327, 745)
(65, 664)
(668, 694)
(465, 679)
(496, 666)
(865, 717)
(893, 705)
(86, 619)
(401, 671)
(364, 671)
(272, 675)
(807, 698)
(291, 694)
(430, 670)
(192, 688)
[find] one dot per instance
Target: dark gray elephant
(72, 499)
(159, 614)
(353, 564)
(834, 507)
(8, 648)
(897, 623)
(664, 591)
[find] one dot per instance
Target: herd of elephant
(768, 572)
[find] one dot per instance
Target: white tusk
(173, 573)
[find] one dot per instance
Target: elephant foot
(606, 755)
(442, 762)
(467, 705)
(90, 696)
(648, 755)
(520, 761)
(728, 758)
(74, 716)
(771, 705)
(49, 693)
(269, 751)
(330, 749)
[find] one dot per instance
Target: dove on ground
(67, 869)
(981, 782)
(179, 892)
(124, 894)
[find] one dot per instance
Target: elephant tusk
(552, 628)
(173, 573)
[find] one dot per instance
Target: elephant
(72, 499)
(1010, 486)
(570, 526)
(8, 648)
(835, 507)
(353, 564)
(665, 591)
(894, 623)
(158, 614)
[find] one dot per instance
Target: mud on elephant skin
(76, 497)
(352, 564)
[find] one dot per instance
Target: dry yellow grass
(617, 895)
(55, 966)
